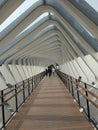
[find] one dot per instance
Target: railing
(84, 94)
(12, 98)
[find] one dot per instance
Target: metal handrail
(79, 90)
(23, 89)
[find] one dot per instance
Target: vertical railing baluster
(35, 81)
(77, 92)
(72, 87)
(16, 101)
(23, 92)
(28, 88)
(69, 84)
(32, 84)
(88, 110)
(3, 111)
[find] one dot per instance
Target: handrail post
(16, 97)
(68, 84)
(67, 81)
(28, 88)
(72, 88)
(77, 92)
(23, 92)
(88, 110)
(3, 112)
(32, 84)
(35, 81)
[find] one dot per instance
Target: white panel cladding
(72, 66)
(26, 71)
(2, 84)
(7, 75)
(65, 68)
(87, 67)
(20, 69)
(29, 70)
(70, 69)
(92, 63)
(16, 73)
(90, 76)
(37, 69)
(81, 73)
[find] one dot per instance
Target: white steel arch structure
(49, 32)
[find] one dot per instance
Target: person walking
(49, 71)
(53, 71)
(46, 72)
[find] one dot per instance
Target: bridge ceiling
(47, 31)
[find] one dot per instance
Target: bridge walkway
(49, 107)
